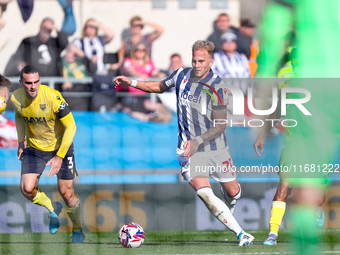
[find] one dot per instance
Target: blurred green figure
(308, 154)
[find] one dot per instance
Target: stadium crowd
(235, 56)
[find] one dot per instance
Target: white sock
(219, 209)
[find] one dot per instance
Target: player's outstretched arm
(147, 86)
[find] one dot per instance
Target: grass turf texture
(157, 242)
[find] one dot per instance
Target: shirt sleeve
(20, 126)
(70, 130)
(14, 103)
(59, 102)
(170, 81)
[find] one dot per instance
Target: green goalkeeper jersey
(316, 25)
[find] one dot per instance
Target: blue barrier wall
(117, 141)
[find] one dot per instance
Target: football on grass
(131, 235)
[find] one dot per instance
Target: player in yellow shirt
(5, 86)
(44, 119)
(284, 189)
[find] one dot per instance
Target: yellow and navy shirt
(43, 128)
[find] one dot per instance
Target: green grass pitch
(157, 242)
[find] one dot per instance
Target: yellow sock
(276, 215)
(42, 200)
(74, 214)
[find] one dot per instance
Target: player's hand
(55, 163)
(190, 147)
(51, 27)
(259, 143)
(21, 65)
(122, 80)
(21, 148)
(67, 85)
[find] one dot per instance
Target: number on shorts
(70, 162)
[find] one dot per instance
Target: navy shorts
(34, 161)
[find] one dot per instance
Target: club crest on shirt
(58, 98)
(42, 107)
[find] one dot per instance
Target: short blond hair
(205, 45)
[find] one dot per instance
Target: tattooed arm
(191, 146)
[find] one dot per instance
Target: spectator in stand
(92, 45)
(175, 63)
(41, 51)
(168, 98)
(228, 63)
(140, 65)
(137, 25)
(247, 30)
(75, 66)
(141, 107)
(221, 26)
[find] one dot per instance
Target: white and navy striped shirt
(231, 67)
(193, 120)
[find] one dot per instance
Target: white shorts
(218, 165)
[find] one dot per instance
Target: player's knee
(238, 193)
(28, 192)
(67, 194)
(205, 194)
